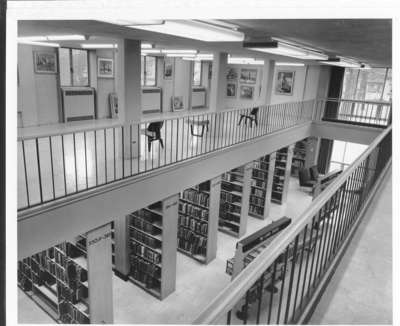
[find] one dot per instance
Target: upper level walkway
(360, 291)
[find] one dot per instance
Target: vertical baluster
(76, 168)
(123, 151)
(52, 168)
(283, 277)
(259, 297)
(95, 157)
(289, 296)
(307, 261)
(86, 166)
(271, 288)
(138, 147)
(26, 173)
(105, 156)
(64, 171)
(130, 148)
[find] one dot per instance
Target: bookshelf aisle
(261, 184)
(281, 179)
(197, 221)
(152, 247)
(58, 279)
(234, 202)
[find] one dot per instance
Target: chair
(253, 116)
(153, 133)
(314, 174)
(305, 179)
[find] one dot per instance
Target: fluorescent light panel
(181, 55)
(194, 30)
(151, 51)
(126, 22)
(278, 48)
(98, 46)
(244, 61)
(49, 44)
(342, 62)
(40, 38)
(146, 46)
(169, 51)
(294, 64)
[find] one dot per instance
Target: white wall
(298, 86)
(38, 93)
(260, 88)
(312, 80)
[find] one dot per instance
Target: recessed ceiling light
(294, 64)
(98, 46)
(169, 51)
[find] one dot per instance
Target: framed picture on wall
(168, 68)
(232, 74)
(177, 103)
(45, 62)
(284, 83)
(105, 68)
(248, 76)
(246, 92)
(231, 89)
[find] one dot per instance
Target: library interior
(204, 171)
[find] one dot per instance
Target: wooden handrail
(235, 290)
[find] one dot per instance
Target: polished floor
(196, 284)
(360, 291)
(67, 159)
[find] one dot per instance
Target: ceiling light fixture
(169, 51)
(244, 61)
(279, 48)
(293, 64)
(126, 22)
(53, 45)
(98, 46)
(194, 30)
(151, 51)
(341, 62)
(146, 46)
(40, 38)
(173, 55)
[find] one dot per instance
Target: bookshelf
(64, 280)
(197, 221)
(152, 247)
(234, 200)
(281, 176)
(299, 156)
(261, 184)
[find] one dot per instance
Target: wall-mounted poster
(231, 89)
(168, 68)
(246, 92)
(105, 68)
(248, 76)
(284, 83)
(232, 74)
(45, 62)
(177, 103)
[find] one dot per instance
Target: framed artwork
(248, 76)
(177, 103)
(231, 89)
(246, 92)
(45, 62)
(168, 69)
(232, 74)
(284, 83)
(105, 68)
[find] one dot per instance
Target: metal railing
(377, 114)
(280, 284)
(58, 165)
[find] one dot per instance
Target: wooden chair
(253, 116)
(153, 133)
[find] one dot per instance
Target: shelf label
(100, 238)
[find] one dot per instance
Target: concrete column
(218, 81)
(121, 236)
(100, 275)
(270, 71)
(129, 90)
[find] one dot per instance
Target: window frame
(71, 65)
(144, 71)
(201, 74)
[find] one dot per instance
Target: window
(73, 67)
(344, 154)
(367, 85)
(197, 73)
(148, 71)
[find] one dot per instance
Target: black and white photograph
(284, 82)
(246, 92)
(231, 89)
(248, 76)
(105, 68)
(168, 68)
(200, 163)
(45, 62)
(232, 74)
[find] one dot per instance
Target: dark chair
(314, 174)
(305, 178)
(253, 116)
(153, 133)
